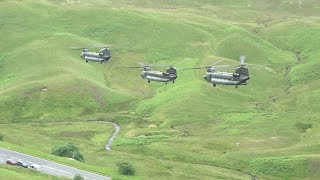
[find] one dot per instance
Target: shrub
(126, 169)
(302, 127)
(78, 177)
(67, 150)
(290, 166)
(1, 137)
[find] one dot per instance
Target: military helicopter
(239, 77)
(102, 56)
(158, 76)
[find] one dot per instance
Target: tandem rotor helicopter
(158, 76)
(103, 55)
(239, 77)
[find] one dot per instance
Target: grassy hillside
(10, 172)
(185, 130)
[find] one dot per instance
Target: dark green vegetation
(126, 168)
(186, 130)
(68, 150)
(78, 177)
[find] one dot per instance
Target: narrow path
(111, 138)
(108, 145)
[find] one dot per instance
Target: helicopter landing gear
(236, 86)
(166, 83)
(101, 62)
(148, 81)
(87, 61)
(214, 85)
(172, 81)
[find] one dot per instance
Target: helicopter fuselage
(158, 76)
(95, 57)
(226, 78)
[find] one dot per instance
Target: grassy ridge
(186, 130)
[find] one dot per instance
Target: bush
(126, 169)
(290, 166)
(78, 177)
(1, 137)
(67, 150)
(303, 127)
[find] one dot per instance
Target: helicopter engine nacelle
(88, 58)
(151, 78)
(223, 81)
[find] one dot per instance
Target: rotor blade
(132, 67)
(193, 68)
(180, 68)
(217, 62)
(142, 64)
(242, 59)
(98, 45)
(222, 66)
(77, 48)
(259, 66)
(154, 65)
(160, 65)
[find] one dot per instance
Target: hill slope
(186, 130)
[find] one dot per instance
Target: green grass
(283, 166)
(185, 130)
(40, 138)
(12, 172)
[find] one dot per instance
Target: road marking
(64, 171)
(49, 167)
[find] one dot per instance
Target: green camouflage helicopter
(239, 77)
(157, 76)
(102, 56)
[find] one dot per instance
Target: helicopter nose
(82, 55)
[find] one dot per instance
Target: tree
(78, 177)
(126, 168)
(69, 150)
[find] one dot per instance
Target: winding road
(56, 169)
(49, 167)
